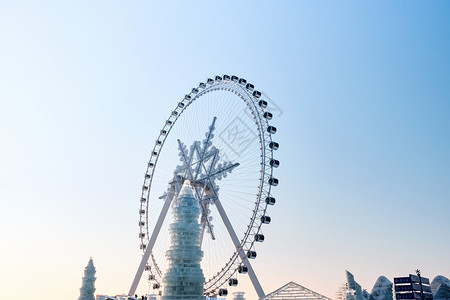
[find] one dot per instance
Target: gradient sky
(364, 129)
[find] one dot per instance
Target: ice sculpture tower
(87, 286)
(184, 277)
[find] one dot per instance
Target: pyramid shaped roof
(293, 291)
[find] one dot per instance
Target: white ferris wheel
(218, 137)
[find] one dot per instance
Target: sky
(363, 91)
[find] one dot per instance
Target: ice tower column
(184, 277)
(87, 287)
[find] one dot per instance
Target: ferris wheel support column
(152, 240)
(237, 244)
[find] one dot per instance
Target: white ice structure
(382, 290)
(123, 297)
(344, 293)
(184, 277)
(294, 290)
(353, 285)
(351, 290)
(87, 286)
(440, 286)
(239, 296)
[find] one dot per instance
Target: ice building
(353, 285)
(106, 297)
(440, 286)
(184, 277)
(124, 297)
(352, 290)
(87, 286)
(344, 293)
(382, 290)
(294, 290)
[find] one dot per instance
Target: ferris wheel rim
(266, 171)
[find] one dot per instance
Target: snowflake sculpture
(200, 166)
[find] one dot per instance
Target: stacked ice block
(184, 277)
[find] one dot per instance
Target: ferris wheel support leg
(152, 241)
(202, 233)
(237, 244)
(204, 224)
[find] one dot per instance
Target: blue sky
(364, 93)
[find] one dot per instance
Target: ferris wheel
(219, 138)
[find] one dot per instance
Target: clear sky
(364, 129)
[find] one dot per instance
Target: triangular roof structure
(293, 291)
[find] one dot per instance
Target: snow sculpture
(365, 294)
(353, 285)
(382, 290)
(440, 286)
(184, 277)
(87, 286)
(344, 293)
